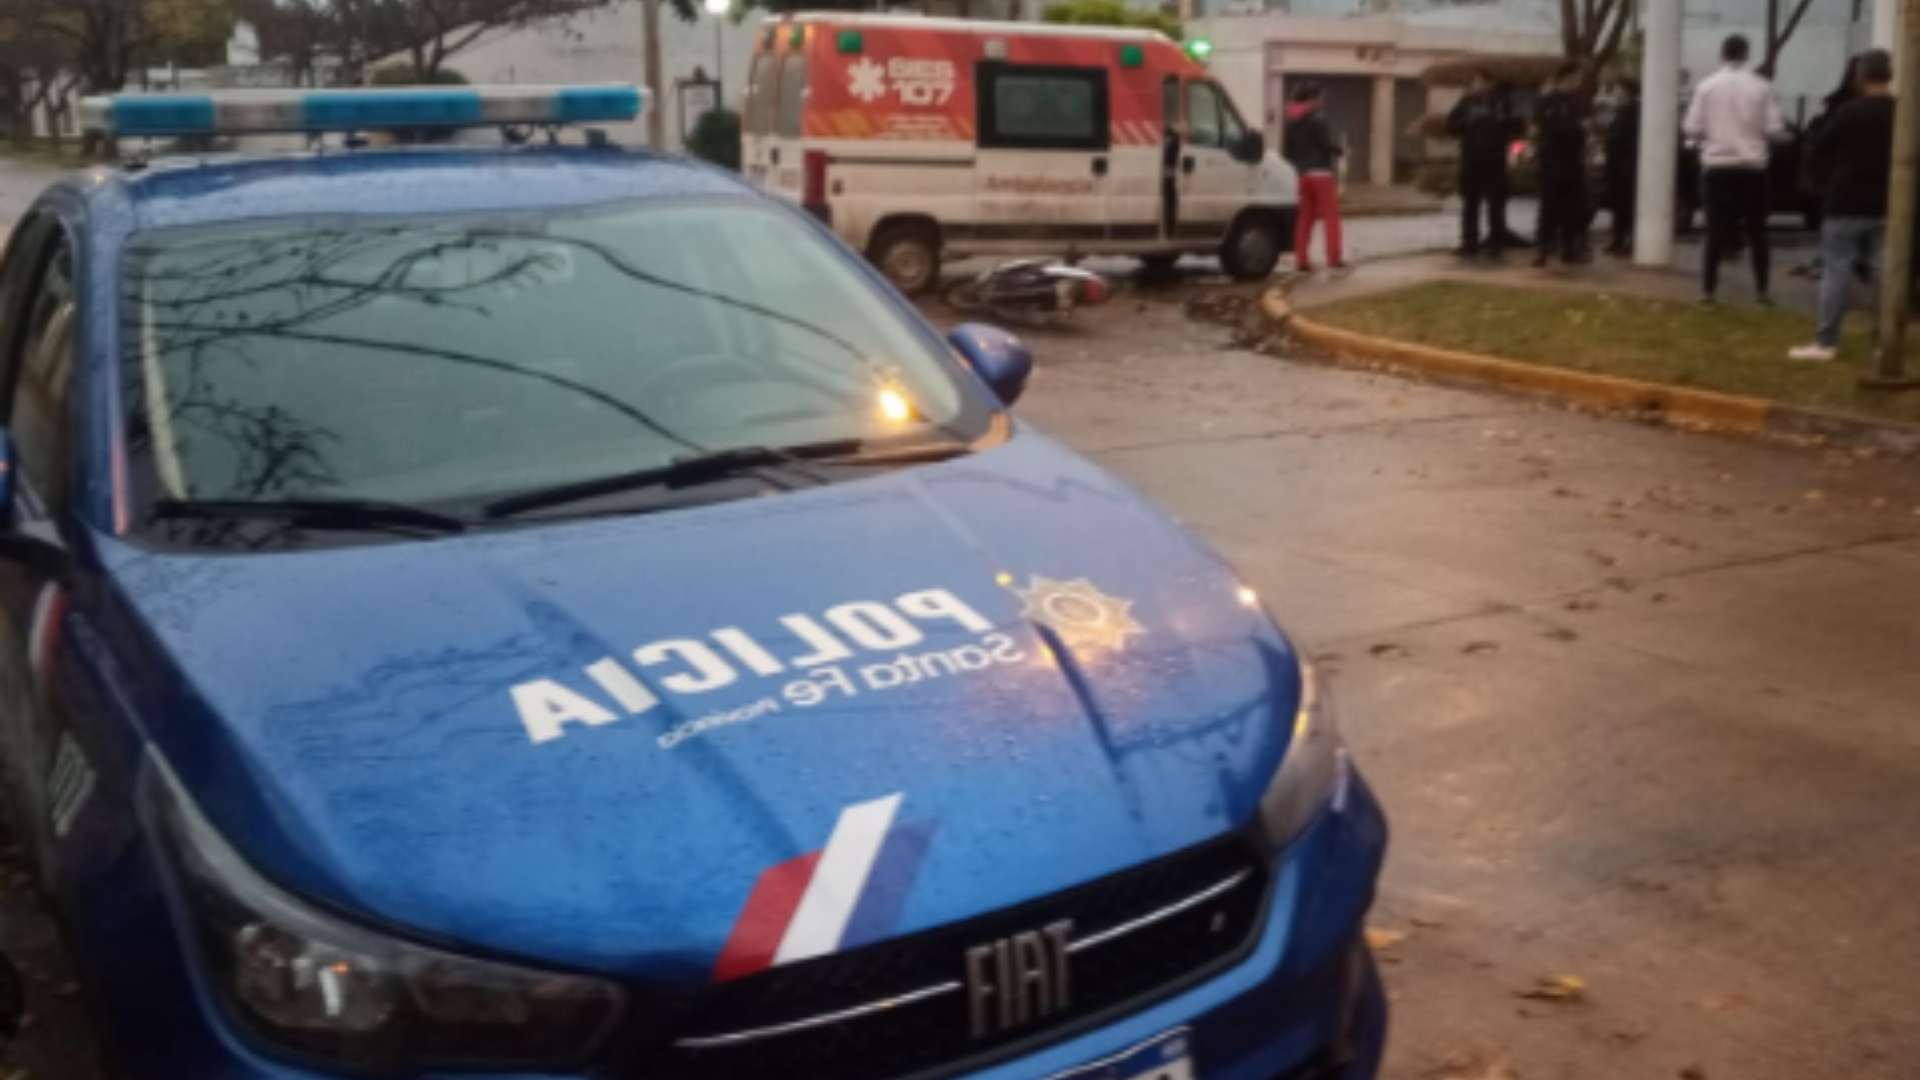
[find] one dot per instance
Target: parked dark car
(1788, 185)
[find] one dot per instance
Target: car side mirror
(13, 1003)
(1252, 148)
(1000, 358)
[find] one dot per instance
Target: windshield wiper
(312, 513)
(719, 465)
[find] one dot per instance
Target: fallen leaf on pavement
(1474, 1064)
(1426, 924)
(1378, 938)
(1556, 988)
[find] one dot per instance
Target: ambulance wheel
(1253, 248)
(908, 253)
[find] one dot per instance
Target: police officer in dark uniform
(1560, 149)
(1485, 125)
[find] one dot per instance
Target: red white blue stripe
(849, 893)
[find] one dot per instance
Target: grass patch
(1733, 349)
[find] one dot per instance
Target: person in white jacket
(1735, 119)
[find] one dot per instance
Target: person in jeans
(1842, 96)
(1560, 148)
(1734, 117)
(1853, 154)
(1484, 123)
(1310, 148)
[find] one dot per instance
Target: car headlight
(1314, 771)
(322, 989)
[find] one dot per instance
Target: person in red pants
(1310, 148)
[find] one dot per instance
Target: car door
(49, 778)
(1045, 153)
(1213, 182)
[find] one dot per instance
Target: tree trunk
(19, 109)
(656, 98)
(1773, 38)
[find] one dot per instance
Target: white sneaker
(1813, 354)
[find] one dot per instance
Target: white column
(1380, 148)
(1660, 106)
(1886, 25)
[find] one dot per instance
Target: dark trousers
(1563, 214)
(1622, 198)
(1483, 186)
(1737, 203)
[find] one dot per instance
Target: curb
(1677, 406)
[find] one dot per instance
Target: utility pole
(1896, 267)
(1659, 135)
(656, 103)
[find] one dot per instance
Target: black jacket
(1309, 145)
(1623, 141)
(1560, 134)
(1485, 125)
(1853, 157)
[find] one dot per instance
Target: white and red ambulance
(921, 140)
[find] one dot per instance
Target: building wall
(1371, 66)
(1810, 66)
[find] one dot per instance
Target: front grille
(1138, 936)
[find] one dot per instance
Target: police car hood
(688, 743)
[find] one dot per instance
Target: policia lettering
(690, 666)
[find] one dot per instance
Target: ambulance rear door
(756, 122)
(786, 158)
(1045, 154)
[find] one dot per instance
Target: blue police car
(546, 611)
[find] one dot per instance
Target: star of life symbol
(1081, 614)
(867, 80)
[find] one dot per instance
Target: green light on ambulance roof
(1132, 56)
(849, 41)
(1200, 49)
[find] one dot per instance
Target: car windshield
(449, 361)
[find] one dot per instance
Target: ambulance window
(1042, 108)
(766, 69)
(1206, 118)
(793, 94)
(1231, 128)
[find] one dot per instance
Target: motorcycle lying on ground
(1028, 288)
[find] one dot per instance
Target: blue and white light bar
(253, 112)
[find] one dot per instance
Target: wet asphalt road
(1644, 706)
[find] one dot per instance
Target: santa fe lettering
(691, 666)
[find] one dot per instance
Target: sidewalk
(1679, 282)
